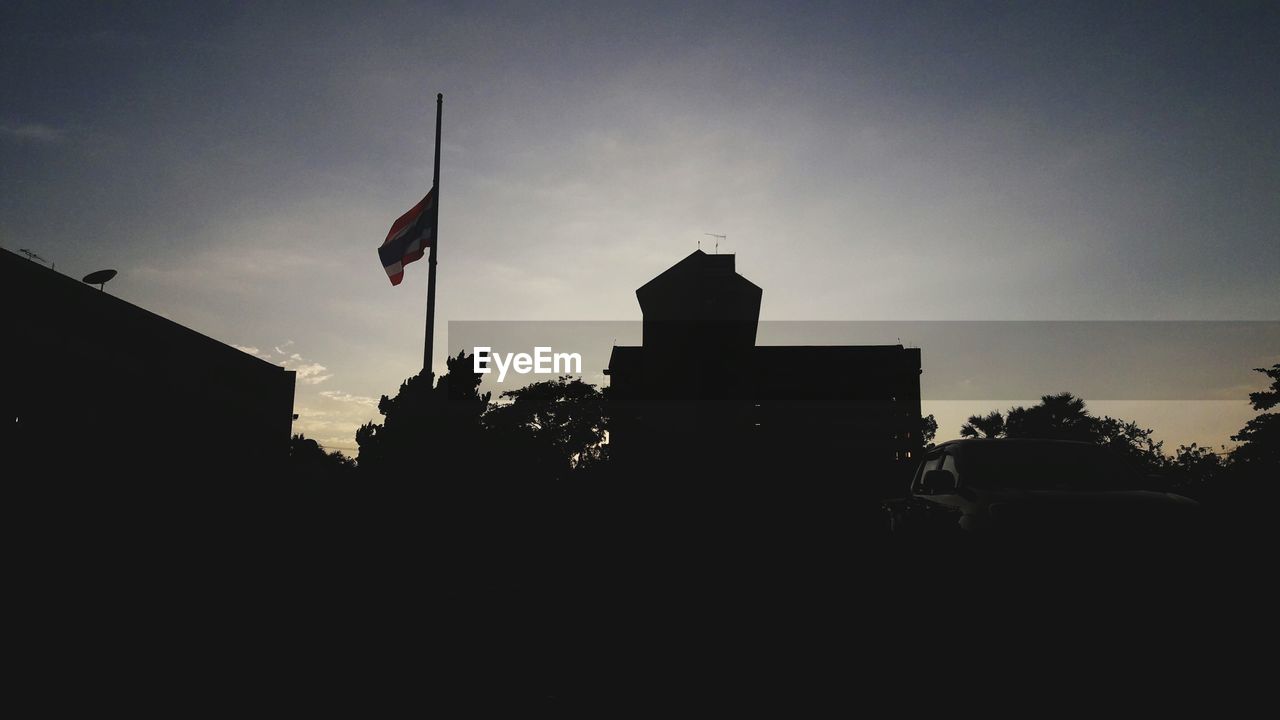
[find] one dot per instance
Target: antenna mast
(718, 239)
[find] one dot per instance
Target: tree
(1058, 417)
(557, 425)
(1129, 439)
(928, 430)
(1192, 468)
(427, 428)
(1065, 417)
(309, 461)
(990, 425)
(1260, 437)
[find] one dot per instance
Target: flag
(409, 236)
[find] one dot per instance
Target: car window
(949, 463)
(929, 463)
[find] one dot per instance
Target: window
(949, 463)
(929, 463)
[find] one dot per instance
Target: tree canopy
(1260, 438)
(558, 425)
(309, 461)
(1064, 416)
(426, 426)
(543, 431)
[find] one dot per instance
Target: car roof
(971, 442)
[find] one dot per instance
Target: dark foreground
(274, 596)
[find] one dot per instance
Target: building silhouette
(701, 395)
(94, 386)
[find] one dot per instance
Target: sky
(239, 164)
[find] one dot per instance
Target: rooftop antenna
(718, 239)
(99, 278)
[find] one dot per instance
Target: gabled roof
(695, 270)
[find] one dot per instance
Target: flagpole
(435, 243)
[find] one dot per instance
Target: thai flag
(409, 236)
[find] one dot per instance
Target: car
(1025, 486)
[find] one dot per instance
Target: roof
(1009, 441)
(815, 354)
(55, 303)
(697, 262)
(625, 358)
(682, 292)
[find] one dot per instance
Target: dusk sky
(239, 164)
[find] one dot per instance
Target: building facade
(94, 385)
(700, 393)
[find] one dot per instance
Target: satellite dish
(99, 278)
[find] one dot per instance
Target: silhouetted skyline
(238, 165)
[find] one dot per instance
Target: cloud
(333, 430)
(32, 132)
(345, 397)
(311, 373)
(308, 373)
